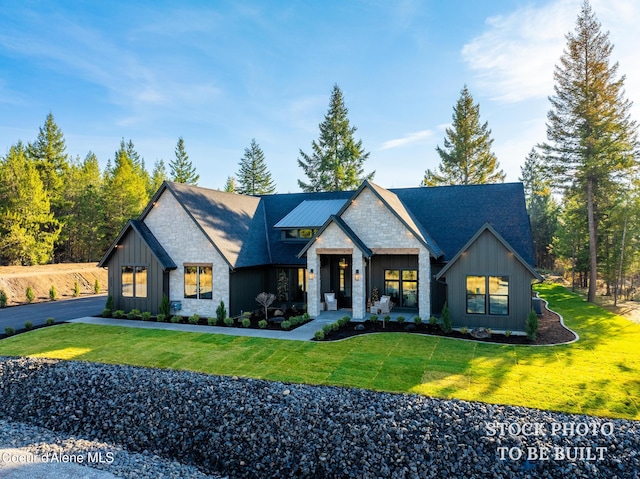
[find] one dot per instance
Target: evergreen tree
(543, 210)
(158, 176)
(254, 177)
(231, 186)
(182, 170)
(337, 160)
(28, 229)
(592, 139)
(466, 158)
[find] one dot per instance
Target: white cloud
(514, 57)
(408, 139)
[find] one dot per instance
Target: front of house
(469, 246)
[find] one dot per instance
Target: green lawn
(600, 374)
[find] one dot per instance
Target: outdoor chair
(383, 306)
(330, 300)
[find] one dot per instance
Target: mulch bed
(550, 331)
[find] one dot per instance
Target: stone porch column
(358, 293)
(313, 284)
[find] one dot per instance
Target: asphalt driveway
(61, 310)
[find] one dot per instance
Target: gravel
(239, 427)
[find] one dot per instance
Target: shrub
(246, 322)
(507, 333)
(246, 314)
(133, 314)
(96, 286)
(28, 325)
(464, 330)
(262, 324)
(161, 317)
(146, 316)
(76, 289)
(489, 331)
(165, 306)
(433, 320)
(193, 319)
(106, 313)
(306, 316)
(286, 325)
(446, 320)
(417, 320)
(212, 321)
(386, 319)
(327, 328)
(229, 321)
(400, 319)
(531, 327)
(119, 313)
(319, 335)
(50, 321)
(175, 319)
(343, 321)
(335, 326)
(3, 299)
(9, 331)
(109, 304)
(30, 294)
(53, 293)
(221, 312)
(374, 319)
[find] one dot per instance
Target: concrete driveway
(61, 310)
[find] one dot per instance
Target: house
(469, 246)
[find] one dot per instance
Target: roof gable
(334, 219)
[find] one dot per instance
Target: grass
(598, 375)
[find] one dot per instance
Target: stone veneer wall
(185, 243)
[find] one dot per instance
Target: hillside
(14, 280)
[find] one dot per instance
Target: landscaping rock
(359, 327)
(410, 327)
(480, 333)
(278, 312)
(245, 428)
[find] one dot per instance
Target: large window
(198, 282)
(134, 281)
(402, 286)
(498, 297)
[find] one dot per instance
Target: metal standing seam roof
(310, 214)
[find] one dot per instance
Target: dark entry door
(341, 280)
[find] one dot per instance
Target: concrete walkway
(302, 333)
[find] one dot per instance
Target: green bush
(228, 321)
(464, 330)
(50, 321)
(400, 319)
(106, 313)
(417, 320)
(386, 319)
(96, 286)
(319, 335)
(30, 294)
(433, 320)
(531, 327)
(343, 321)
(374, 319)
(119, 313)
(327, 328)
(246, 314)
(246, 322)
(9, 331)
(146, 316)
(335, 326)
(194, 319)
(53, 293)
(28, 325)
(109, 304)
(262, 324)
(306, 316)
(286, 325)
(221, 312)
(212, 321)
(133, 314)
(165, 306)
(3, 299)
(161, 317)
(175, 319)
(507, 333)
(445, 325)
(76, 289)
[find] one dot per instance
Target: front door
(341, 280)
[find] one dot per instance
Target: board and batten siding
(487, 256)
(133, 251)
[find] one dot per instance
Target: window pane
(127, 281)
(141, 282)
(306, 234)
(410, 275)
(476, 285)
(499, 285)
(410, 294)
(290, 233)
(190, 281)
(499, 304)
(392, 274)
(475, 304)
(206, 282)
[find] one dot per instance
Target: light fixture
(343, 263)
(311, 275)
(357, 276)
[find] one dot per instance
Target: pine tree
(182, 170)
(254, 177)
(337, 160)
(231, 186)
(592, 139)
(158, 176)
(28, 229)
(466, 158)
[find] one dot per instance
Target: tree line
(581, 186)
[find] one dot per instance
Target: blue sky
(219, 73)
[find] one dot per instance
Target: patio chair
(331, 302)
(383, 306)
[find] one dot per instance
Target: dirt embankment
(15, 280)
